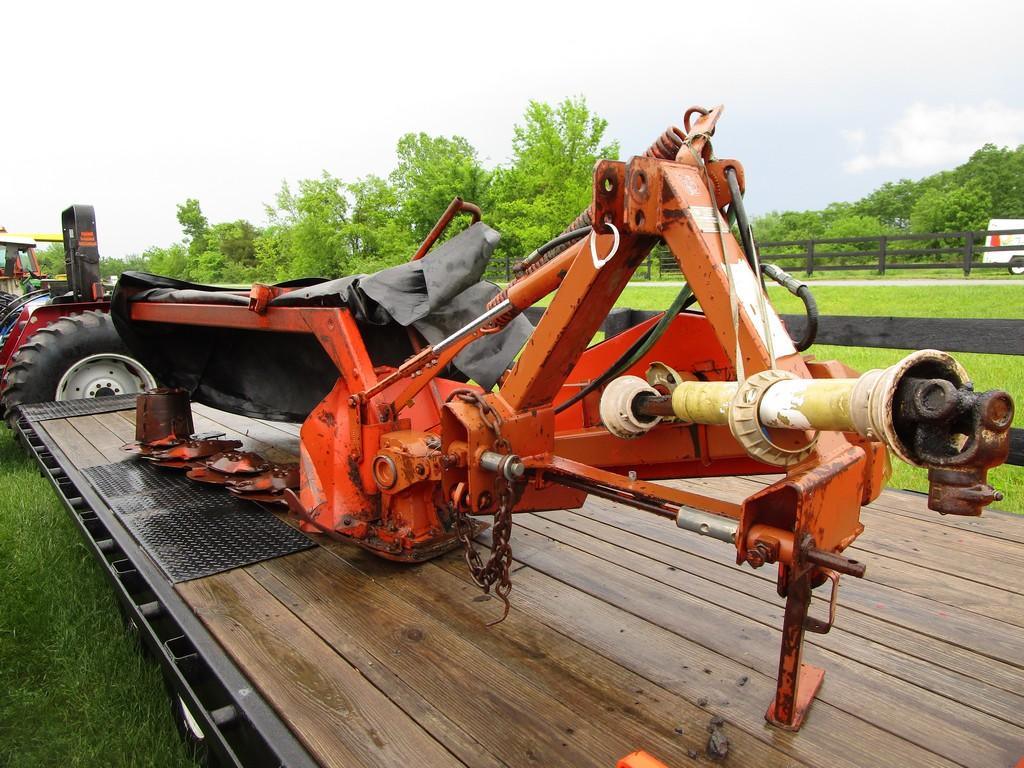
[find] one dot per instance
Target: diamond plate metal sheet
(191, 530)
(88, 406)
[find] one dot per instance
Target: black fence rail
(935, 250)
(991, 337)
(962, 251)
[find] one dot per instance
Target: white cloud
(855, 137)
(930, 136)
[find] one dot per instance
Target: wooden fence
(992, 337)
(962, 251)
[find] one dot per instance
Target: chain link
(496, 572)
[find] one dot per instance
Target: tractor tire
(74, 357)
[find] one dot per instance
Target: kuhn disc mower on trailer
(429, 403)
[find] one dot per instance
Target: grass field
(74, 689)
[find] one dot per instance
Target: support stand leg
(798, 683)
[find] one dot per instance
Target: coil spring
(667, 146)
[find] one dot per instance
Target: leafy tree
(955, 209)
(377, 232)
(431, 171)
(51, 259)
(194, 224)
(891, 203)
(171, 261)
(315, 216)
(999, 172)
(550, 177)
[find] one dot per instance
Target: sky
(135, 107)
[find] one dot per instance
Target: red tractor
(57, 342)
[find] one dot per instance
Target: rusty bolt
(755, 557)
(352, 401)
(763, 551)
(484, 500)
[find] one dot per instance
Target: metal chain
(496, 572)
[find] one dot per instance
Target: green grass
(74, 688)
(976, 301)
(980, 301)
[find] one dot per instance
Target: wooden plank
(897, 568)
(342, 719)
(829, 737)
(80, 451)
(253, 429)
(966, 735)
(284, 426)
(514, 720)
(653, 717)
(432, 719)
(994, 522)
(939, 549)
(123, 429)
(101, 438)
(889, 649)
(955, 622)
(980, 559)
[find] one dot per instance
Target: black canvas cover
(282, 376)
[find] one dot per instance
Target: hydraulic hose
(527, 265)
(746, 234)
(637, 349)
(15, 307)
(801, 291)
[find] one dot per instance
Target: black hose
(565, 237)
(741, 217)
(637, 349)
(21, 301)
(801, 291)
(811, 308)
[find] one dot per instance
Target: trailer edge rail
(237, 726)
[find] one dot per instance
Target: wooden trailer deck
(625, 633)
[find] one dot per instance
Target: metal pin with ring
(598, 263)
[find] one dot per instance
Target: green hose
(637, 350)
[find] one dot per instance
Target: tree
(377, 231)
(51, 259)
(550, 177)
(171, 261)
(891, 203)
(431, 171)
(999, 172)
(315, 217)
(954, 209)
(193, 223)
